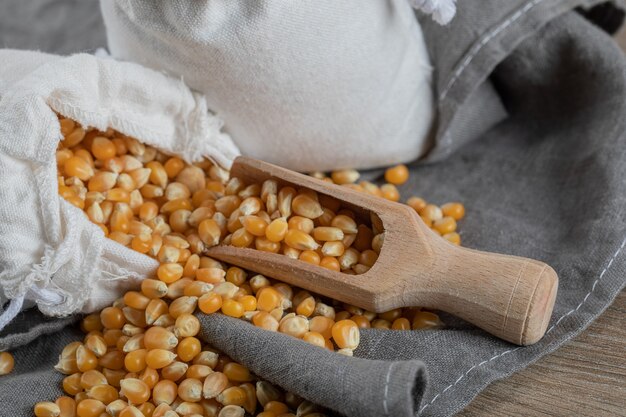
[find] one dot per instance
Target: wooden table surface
(585, 377)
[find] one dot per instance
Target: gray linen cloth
(541, 94)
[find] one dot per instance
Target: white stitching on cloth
(477, 47)
(387, 389)
(593, 287)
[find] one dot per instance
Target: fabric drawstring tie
(442, 11)
(36, 284)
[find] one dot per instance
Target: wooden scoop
(508, 296)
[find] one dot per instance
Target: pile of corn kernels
(141, 356)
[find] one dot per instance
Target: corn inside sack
(51, 255)
(309, 85)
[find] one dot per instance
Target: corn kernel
(7, 363)
(397, 175)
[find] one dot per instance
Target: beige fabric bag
(51, 255)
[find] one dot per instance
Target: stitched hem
(554, 326)
(465, 74)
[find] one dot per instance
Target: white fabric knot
(442, 11)
(36, 284)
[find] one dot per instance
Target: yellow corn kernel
(159, 358)
(331, 263)
(174, 205)
(186, 325)
(158, 176)
(96, 344)
(361, 321)
(431, 213)
(325, 234)
(285, 199)
(210, 275)
(342, 315)
(368, 257)
(333, 249)
(266, 245)
(416, 203)
(300, 240)
(153, 288)
(210, 303)
(276, 230)
(92, 378)
(236, 372)
(214, 385)
(250, 206)
(232, 396)
(173, 166)
(164, 392)
(454, 210)
(71, 384)
(301, 223)
(265, 321)
(102, 181)
(135, 390)
(89, 408)
(176, 191)
(227, 204)
(445, 225)
(210, 232)
(7, 363)
(310, 256)
(254, 225)
(159, 338)
(397, 175)
(104, 393)
(190, 390)
(162, 410)
(305, 206)
(174, 371)
(349, 258)
(47, 409)
(67, 406)
(85, 359)
(453, 238)
(232, 308)
(426, 320)
(131, 411)
(78, 167)
(346, 334)
(135, 361)
(183, 305)
(346, 176)
(179, 220)
(268, 299)
(85, 155)
(199, 371)
(193, 178)
(72, 137)
(242, 238)
(169, 273)
(116, 407)
(151, 191)
(188, 348)
(295, 326)
(381, 324)
(401, 324)
(276, 407)
(266, 392)
(390, 192)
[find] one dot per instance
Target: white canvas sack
(309, 84)
(51, 255)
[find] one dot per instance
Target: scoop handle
(510, 297)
